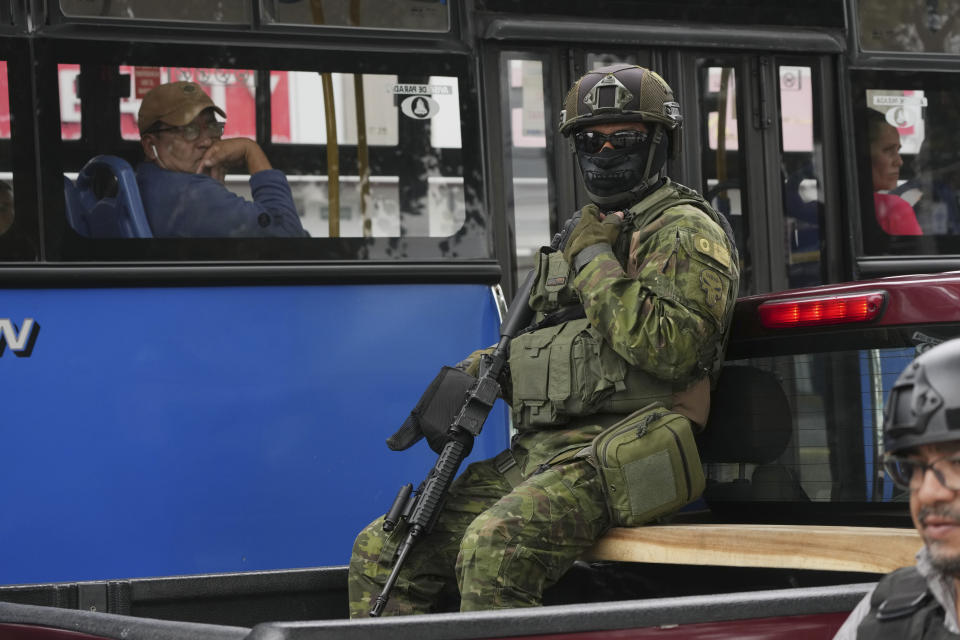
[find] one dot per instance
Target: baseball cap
(175, 103)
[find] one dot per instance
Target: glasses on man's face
(593, 141)
(908, 473)
(191, 132)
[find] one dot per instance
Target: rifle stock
(424, 504)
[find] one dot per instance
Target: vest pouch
(552, 287)
(649, 465)
(568, 370)
(531, 355)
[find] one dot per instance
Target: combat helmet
(924, 404)
(622, 93)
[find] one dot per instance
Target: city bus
(180, 405)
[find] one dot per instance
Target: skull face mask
(620, 177)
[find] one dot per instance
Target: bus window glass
(232, 11)
(6, 166)
(801, 176)
(720, 155)
(389, 165)
(380, 106)
(909, 171)
(597, 60)
(233, 87)
(921, 26)
(70, 117)
(528, 158)
(408, 15)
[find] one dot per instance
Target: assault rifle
(421, 508)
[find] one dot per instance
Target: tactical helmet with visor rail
(923, 408)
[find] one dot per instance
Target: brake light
(808, 312)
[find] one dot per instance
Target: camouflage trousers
(493, 545)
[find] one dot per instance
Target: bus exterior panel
(167, 430)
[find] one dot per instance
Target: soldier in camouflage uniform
(657, 278)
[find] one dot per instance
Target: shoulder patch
(712, 248)
(713, 289)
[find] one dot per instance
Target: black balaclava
(617, 178)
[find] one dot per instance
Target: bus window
(909, 170)
(6, 166)
(909, 25)
(375, 105)
(597, 60)
(366, 155)
(411, 15)
(528, 158)
(723, 181)
(802, 182)
(70, 116)
(179, 10)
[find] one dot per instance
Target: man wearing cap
(921, 441)
(181, 182)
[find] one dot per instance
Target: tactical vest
(567, 370)
(903, 607)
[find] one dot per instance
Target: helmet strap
(657, 139)
(648, 181)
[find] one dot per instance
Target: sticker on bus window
(422, 89)
(419, 107)
(901, 110)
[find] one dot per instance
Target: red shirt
(895, 215)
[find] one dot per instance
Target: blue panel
(892, 363)
(188, 430)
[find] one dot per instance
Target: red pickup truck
(796, 523)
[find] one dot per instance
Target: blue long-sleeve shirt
(188, 205)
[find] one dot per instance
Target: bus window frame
(62, 244)
(56, 19)
(21, 242)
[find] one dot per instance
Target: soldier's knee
(482, 552)
(369, 542)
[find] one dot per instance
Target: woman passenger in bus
(894, 214)
(181, 182)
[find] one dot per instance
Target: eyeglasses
(593, 141)
(191, 132)
(908, 473)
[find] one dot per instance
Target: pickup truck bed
(809, 613)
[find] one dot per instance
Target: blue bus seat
(105, 202)
(74, 207)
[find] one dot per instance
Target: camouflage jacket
(658, 307)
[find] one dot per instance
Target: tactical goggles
(593, 141)
(908, 473)
(191, 132)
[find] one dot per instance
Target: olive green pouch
(649, 465)
(553, 286)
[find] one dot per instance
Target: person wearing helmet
(632, 314)
(921, 442)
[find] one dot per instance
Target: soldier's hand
(590, 231)
(568, 227)
(471, 364)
